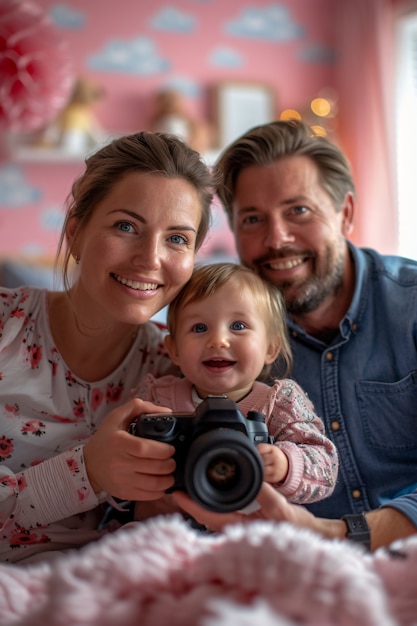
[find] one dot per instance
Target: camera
(217, 462)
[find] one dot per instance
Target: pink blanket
(263, 574)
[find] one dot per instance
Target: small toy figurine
(76, 130)
(171, 117)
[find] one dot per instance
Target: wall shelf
(44, 155)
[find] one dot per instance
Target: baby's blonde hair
(208, 279)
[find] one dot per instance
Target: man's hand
(386, 524)
(272, 506)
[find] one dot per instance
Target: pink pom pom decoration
(35, 67)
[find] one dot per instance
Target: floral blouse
(46, 415)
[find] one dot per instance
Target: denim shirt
(364, 386)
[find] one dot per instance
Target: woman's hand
(125, 466)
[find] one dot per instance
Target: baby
(226, 328)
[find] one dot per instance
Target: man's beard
(302, 298)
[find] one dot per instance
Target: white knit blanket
(262, 574)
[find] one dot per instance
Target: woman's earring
(77, 259)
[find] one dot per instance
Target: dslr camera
(217, 462)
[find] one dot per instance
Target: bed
(258, 574)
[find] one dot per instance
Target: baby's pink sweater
(291, 420)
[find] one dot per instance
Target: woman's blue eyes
(178, 239)
(127, 227)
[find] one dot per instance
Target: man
(352, 315)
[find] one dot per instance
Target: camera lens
(223, 471)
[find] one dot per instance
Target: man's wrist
(358, 530)
(329, 528)
(389, 524)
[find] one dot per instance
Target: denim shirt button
(335, 425)
(356, 493)
(329, 356)
(354, 326)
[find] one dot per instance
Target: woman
(135, 219)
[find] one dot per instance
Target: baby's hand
(275, 463)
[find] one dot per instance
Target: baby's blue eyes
(202, 328)
(199, 328)
(237, 326)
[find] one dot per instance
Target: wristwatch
(358, 529)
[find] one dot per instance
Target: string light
(290, 114)
(321, 107)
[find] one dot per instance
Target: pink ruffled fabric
(162, 572)
(36, 73)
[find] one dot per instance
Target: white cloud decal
(138, 56)
(170, 19)
(64, 16)
(52, 218)
(14, 190)
(184, 85)
(272, 23)
(226, 57)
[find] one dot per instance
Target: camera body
(217, 462)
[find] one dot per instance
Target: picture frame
(239, 106)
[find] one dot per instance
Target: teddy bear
(171, 116)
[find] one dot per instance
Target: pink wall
(189, 36)
(291, 45)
